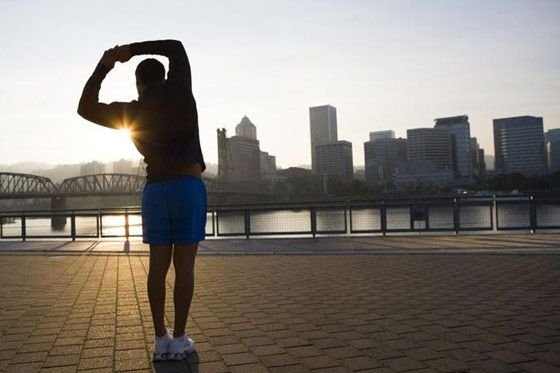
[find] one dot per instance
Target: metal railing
(454, 215)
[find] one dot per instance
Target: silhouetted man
(163, 123)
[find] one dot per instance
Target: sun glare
(119, 145)
(124, 133)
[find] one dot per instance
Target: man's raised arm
(113, 115)
(179, 68)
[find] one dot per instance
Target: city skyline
(383, 65)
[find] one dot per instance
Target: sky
(391, 64)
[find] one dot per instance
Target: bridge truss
(102, 184)
(16, 184)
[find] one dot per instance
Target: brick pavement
(375, 313)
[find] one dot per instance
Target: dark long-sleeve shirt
(163, 122)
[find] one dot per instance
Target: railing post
(383, 212)
(247, 215)
(349, 211)
(411, 217)
(23, 229)
(73, 226)
(126, 226)
(313, 211)
(456, 213)
(533, 214)
(99, 224)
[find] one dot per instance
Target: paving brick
(488, 315)
(67, 369)
(305, 351)
(61, 360)
(361, 363)
(321, 361)
(537, 367)
(423, 353)
(124, 365)
(97, 352)
(213, 367)
(448, 364)
(548, 357)
(29, 357)
(249, 368)
(510, 357)
(240, 358)
(298, 368)
(278, 360)
(96, 362)
(231, 349)
(23, 368)
(403, 363)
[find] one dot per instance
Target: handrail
(332, 217)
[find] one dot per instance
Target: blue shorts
(174, 211)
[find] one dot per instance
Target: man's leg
(183, 261)
(160, 259)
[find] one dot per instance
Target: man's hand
(123, 53)
(109, 57)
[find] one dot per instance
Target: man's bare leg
(160, 259)
(183, 261)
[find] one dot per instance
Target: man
(163, 124)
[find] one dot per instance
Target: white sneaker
(180, 347)
(161, 347)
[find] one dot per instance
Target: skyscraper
(477, 159)
(459, 129)
(519, 145)
(335, 159)
(553, 148)
(323, 128)
(430, 144)
(240, 158)
(92, 168)
(245, 159)
(378, 135)
(382, 156)
(122, 167)
(246, 128)
(268, 165)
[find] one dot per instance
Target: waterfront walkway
(410, 303)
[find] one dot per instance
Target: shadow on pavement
(187, 365)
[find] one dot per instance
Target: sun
(120, 145)
(124, 134)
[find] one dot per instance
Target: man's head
(149, 72)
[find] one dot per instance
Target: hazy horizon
(383, 65)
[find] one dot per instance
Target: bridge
(21, 186)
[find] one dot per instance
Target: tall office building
(323, 128)
(382, 156)
(378, 135)
(519, 145)
(122, 167)
(430, 144)
(268, 165)
(245, 159)
(246, 128)
(422, 173)
(477, 159)
(459, 128)
(553, 148)
(335, 159)
(92, 168)
(240, 157)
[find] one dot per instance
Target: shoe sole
(159, 357)
(181, 355)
